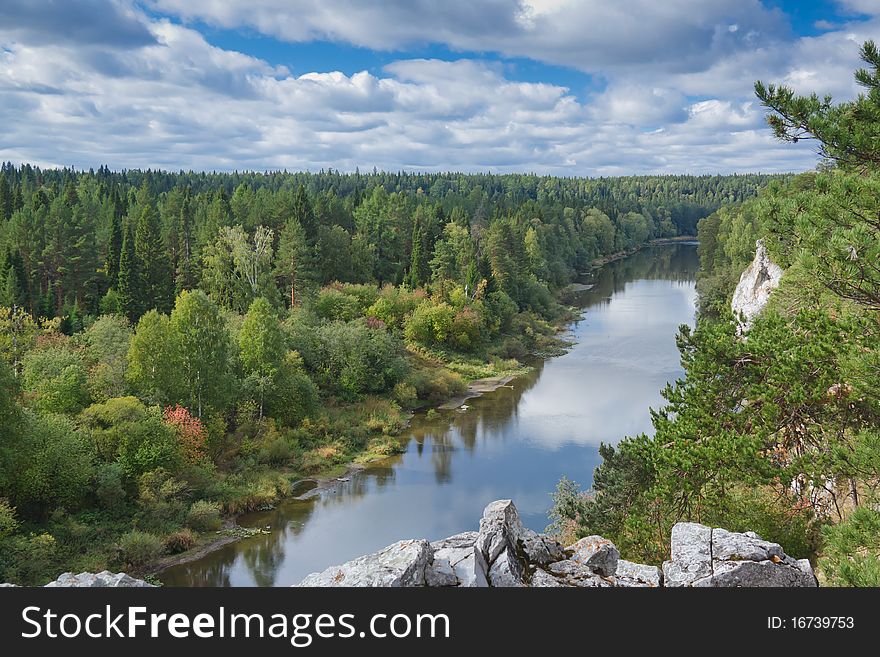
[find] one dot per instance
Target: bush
(55, 379)
(394, 304)
(179, 541)
(137, 548)
(430, 324)
(204, 516)
(110, 486)
(406, 395)
(352, 359)
(334, 304)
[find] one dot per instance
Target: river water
(516, 442)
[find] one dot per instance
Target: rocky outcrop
(503, 553)
(702, 556)
(756, 283)
(402, 564)
(95, 580)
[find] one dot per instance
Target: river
(516, 442)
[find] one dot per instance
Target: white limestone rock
(756, 283)
(401, 564)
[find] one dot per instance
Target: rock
(636, 575)
(541, 550)
(757, 574)
(730, 546)
(573, 573)
(93, 580)
(500, 528)
(506, 571)
(541, 579)
(756, 283)
(691, 554)
(704, 557)
(598, 553)
(503, 553)
(401, 564)
(457, 562)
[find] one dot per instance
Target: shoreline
(324, 482)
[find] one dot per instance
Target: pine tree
(129, 280)
(293, 262)
(153, 262)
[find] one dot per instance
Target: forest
(777, 431)
(177, 348)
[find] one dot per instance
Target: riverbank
(320, 481)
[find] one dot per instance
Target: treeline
(74, 243)
(776, 432)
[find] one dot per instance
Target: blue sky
(567, 87)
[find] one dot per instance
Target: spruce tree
(114, 250)
(6, 199)
(129, 280)
(153, 262)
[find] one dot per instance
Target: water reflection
(516, 442)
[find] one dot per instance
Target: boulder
(636, 575)
(691, 554)
(399, 565)
(705, 557)
(541, 550)
(457, 562)
(97, 580)
(756, 283)
(598, 553)
(500, 528)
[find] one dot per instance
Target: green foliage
(127, 432)
(55, 380)
(137, 548)
(54, 467)
(203, 516)
(201, 341)
(852, 550)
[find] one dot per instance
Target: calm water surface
(513, 443)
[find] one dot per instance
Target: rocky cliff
(756, 283)
(503, 553)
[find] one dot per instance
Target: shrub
(204, 516)
(137, 548)
(430, 324)
(353, 359)
(191, 434)
(406, 395)
(334, 304)
(56, 380)
(179, 541)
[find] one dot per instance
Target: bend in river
(516, 442)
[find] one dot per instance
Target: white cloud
(678, 97)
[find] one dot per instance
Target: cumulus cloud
(590, 35)
(130, 89)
